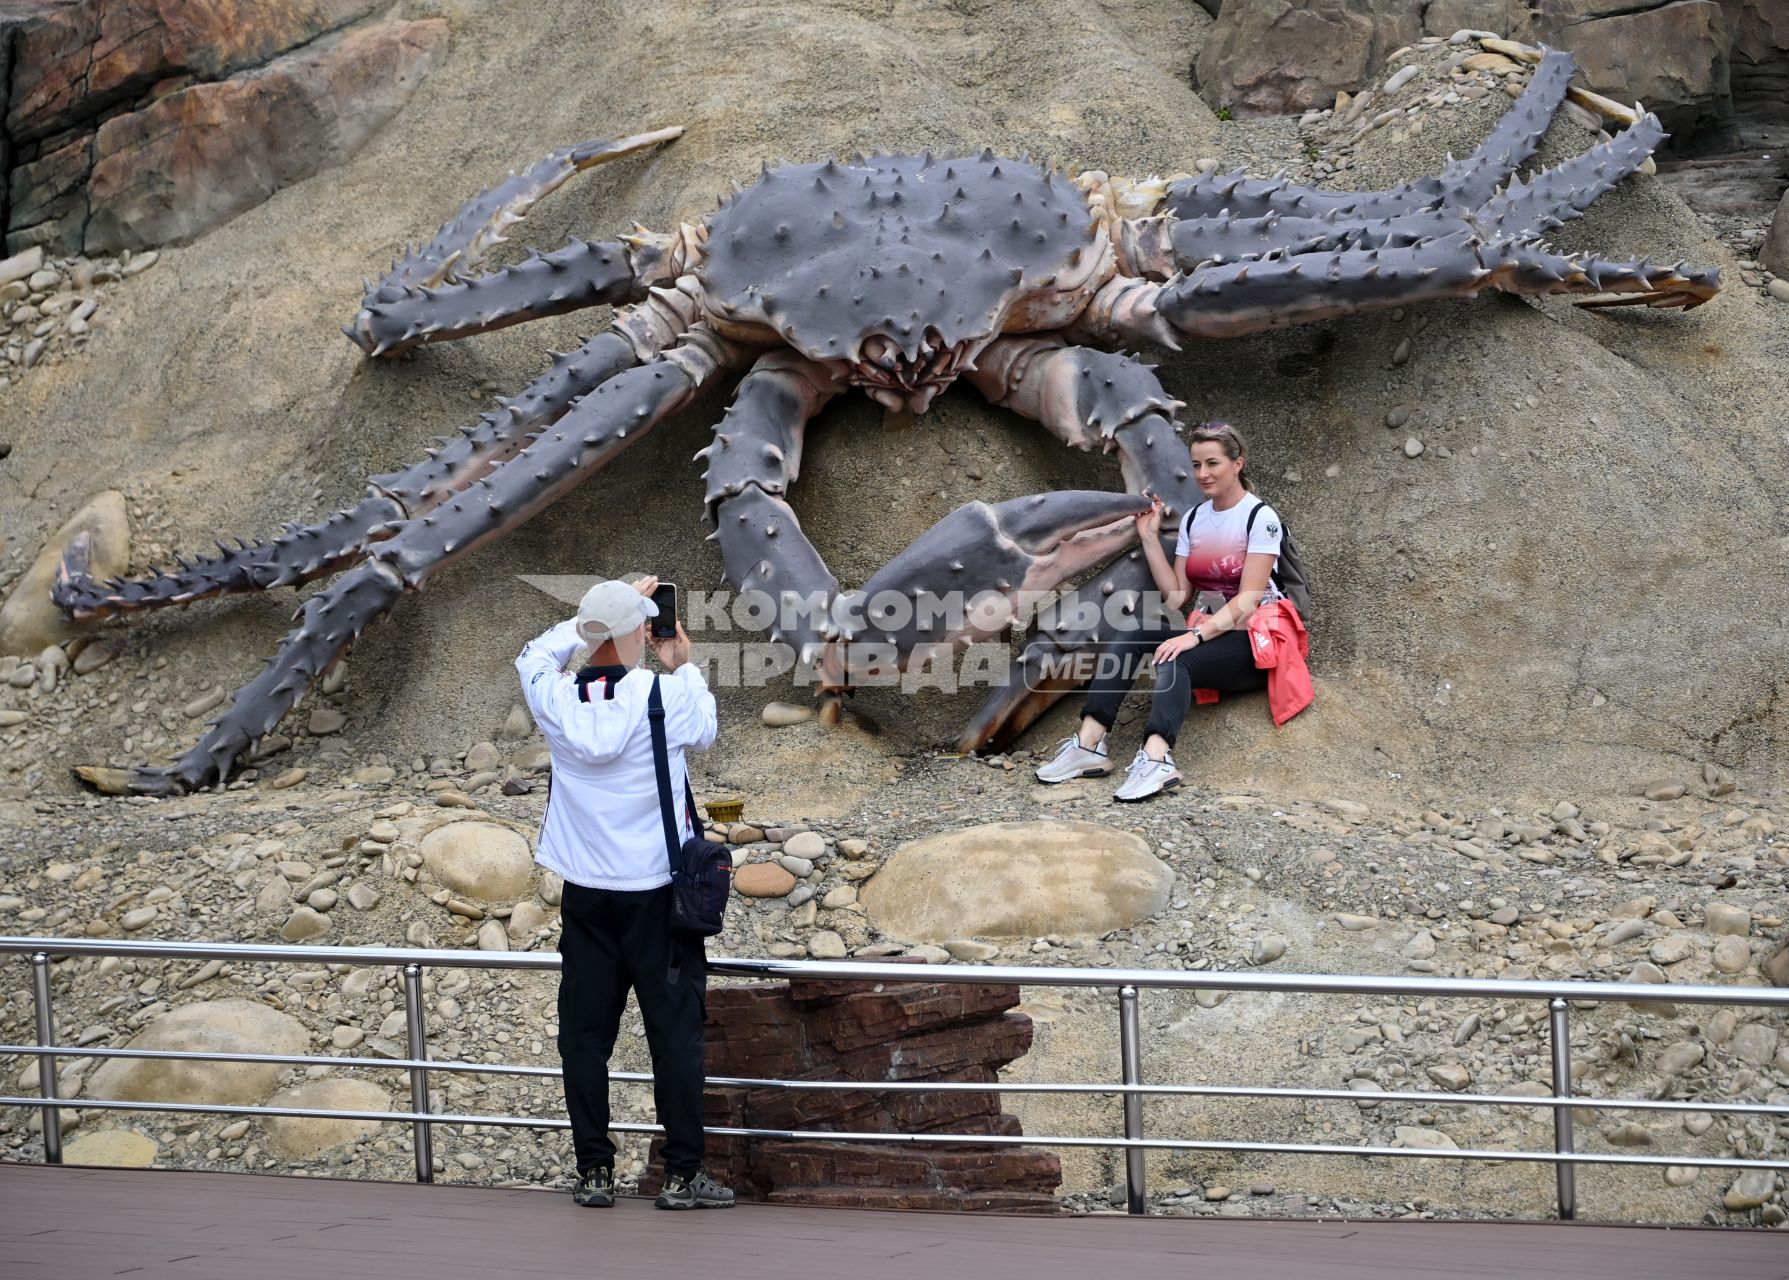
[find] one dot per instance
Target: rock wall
(1694, 62)
(130, 123)
(814, 1030)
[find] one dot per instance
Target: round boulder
(308, 1137)
(1017, 879)
(220, 1026)
(112, 1149)
(28, 620)
(479, 860)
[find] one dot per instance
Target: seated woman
(1224, 562)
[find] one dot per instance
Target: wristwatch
(1198, 637)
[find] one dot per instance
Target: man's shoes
(1072, 760)
(693, 1191)
(596, 1188)
(1147, 778)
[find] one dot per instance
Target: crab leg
(1242, 298)
(479, 225)
(1464, 183)
(755, 457)
(583, 274)
(301, 554)
(971, 574)
(1560, 194)
(595, 430)
(1159, 246)
(1084, 398)
(433, 294)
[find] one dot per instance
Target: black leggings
(1225, 663)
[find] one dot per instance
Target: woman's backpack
(1288, 572)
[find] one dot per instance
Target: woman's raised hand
(1149, 523)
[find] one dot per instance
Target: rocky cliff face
(1697, 63)
(130, 123)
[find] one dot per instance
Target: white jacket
(602, 828)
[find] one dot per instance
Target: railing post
(1131, 1059)
(46, 1063)
(1565, 1172)
(417, 1041)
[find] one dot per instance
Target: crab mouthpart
(904, 381)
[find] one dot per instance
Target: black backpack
(1288, 571)
(701, 870)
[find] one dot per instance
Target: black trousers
(1225, 663)
(610, 941)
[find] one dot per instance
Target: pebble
(1778, 289)
(1217, 1193)
(805, 844)
(1671, 950)
(303, 925)
(346, 1037)
(290, 778)
(1401, 353)
(322, 899)
(482, 757)
(1680, 1175)
(203, 704)
(1750, 1189)
(970, 949)
(1412, 1135)
(827, 945)
(1731, 955)
(526, 917)
(1450, 1075)
(799, 894)
(800, 868)
(1668, 789)
(1398, 416)
(21, 266)
(781, 714)
(1268, 948)
(763, 880)
(93, 657)
(10, 718)
(492, 936)
(1401, 77)
(131, 921)
(325, 720)
(843, 896)
(141, 262)
(1356, 924)
(1413, 448)
(1724, 918)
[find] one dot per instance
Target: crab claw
(1058, 657)
(72, 575)
(970, 575)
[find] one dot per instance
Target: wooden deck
(73, 1224)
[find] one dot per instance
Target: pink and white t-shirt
(1215, 543)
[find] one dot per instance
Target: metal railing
(411, 963)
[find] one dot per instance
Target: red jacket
(1280, 644)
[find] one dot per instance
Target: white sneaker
(1072, 760)
(1147, 778)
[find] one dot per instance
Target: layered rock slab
(812, 1030)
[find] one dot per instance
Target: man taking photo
(604, 835)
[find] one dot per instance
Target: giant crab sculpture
(896, 274)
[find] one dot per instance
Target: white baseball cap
(611, 609)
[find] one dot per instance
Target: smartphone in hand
(664, 596)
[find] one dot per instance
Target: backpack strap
(661, 767)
